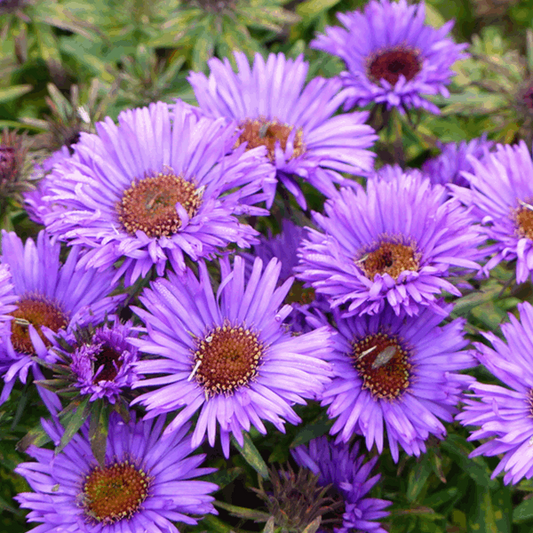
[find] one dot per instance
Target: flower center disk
(390, 258)
(391, 64)
(114, 492)
(108, 357)
(226, 359)
(149, 205)
(524, 221)
(383, 364)
(268, 133)
(38, 311)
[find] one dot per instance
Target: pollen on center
(114, 492)
(261, 132)
(390, 257)
(227, 358)
(149, 205)
(383, 364)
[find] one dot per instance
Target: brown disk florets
(262, 132)
(391, 257)
(109, 358)
(114, 492)
(39, 311)
(227, 358)
(391, 64)
(383, 364)
(524, 220)
(149, 205)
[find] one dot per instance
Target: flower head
(397, 372)
(227, 355)
(501, 197)
(154, 189)
(391, 56)
(274, 108)
(98, 361)
(397, 243)
(50, 297)
(348, 474)
(505, 414)
(454, 159)
(146, 484)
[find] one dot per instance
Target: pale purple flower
(392, 57)
(155, 189)
(274, 107)
(226, 355)
(504, 414)
(146, 484)
(396, 373)
(397, 243)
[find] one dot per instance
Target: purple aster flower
(7, 296)
(505, 414)
(397, 372)
(454, 159)
(295, 122)
(156, 188)
(501, 197)
(227, 355)
(397, 243)
(49, 297)
(346, 471)
(391, 56)
(100, 361)
(146, 484)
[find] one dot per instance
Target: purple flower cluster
(157, 307)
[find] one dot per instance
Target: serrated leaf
(12, 93)
(251, 455)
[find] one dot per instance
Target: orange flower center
(391, 64)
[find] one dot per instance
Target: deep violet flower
(275, 108)
(501, 198)
(348, 474)
(155, 188)
(98, 361)
(227, 354)
(396, 373)
(454, 160)
(50, 297)
(397, 243)
(505, 414)
(146, 484)
(391, 56)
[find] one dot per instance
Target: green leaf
(98, 430)
(73, 422)
(320, 426)
(252, 456)
(312, 8)
(458, 449)
(491, 511)
(523, 512)
(215, 525)
(243, 512)
(36, 437)
(224, 476)
(417, 479)
(12, 93)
